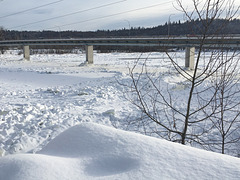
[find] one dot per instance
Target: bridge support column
(26, 52)
(89, 54)
(189, 57)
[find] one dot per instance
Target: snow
(92, 151)
(57, 120)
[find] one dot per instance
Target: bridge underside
(189, 55)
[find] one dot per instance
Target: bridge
(189, 43)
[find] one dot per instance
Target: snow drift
(92, 151)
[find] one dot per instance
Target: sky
(90, 15)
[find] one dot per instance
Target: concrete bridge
(189, 43)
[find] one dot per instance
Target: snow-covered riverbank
(43, 97)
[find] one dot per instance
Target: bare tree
(165, 113)
(226, 106)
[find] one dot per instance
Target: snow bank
(92, 151)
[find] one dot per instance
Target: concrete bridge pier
(26, 52)
(189, 57)
(89, 54)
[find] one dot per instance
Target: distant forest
(188, 28)
(172, 29)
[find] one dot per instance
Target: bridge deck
(217, 42)
(189, 42)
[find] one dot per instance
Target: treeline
(187, 28)
(173, 29)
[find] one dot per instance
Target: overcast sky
(85, 15)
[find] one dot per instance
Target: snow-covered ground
(45, 97)
(42, 97)
(91, 151)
